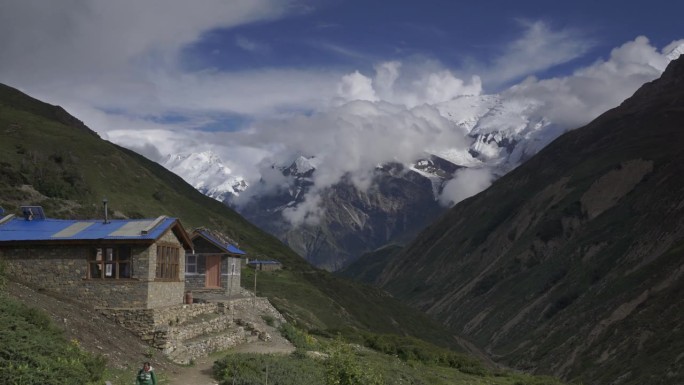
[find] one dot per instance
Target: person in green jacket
(146, 375)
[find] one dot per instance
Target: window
(167, 262)
(109, 263)
(190, 264)
(232, 268)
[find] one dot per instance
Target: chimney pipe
(104, 202)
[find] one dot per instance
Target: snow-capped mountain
(206, 172)
(403, 199)
(503, 130)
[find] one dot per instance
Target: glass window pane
(110, 271)
(124, 270)
(124, 253)
(95, 270)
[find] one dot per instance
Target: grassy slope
(70, 169)
(369, 266)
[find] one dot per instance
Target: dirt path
(198, 374)
(201, 372)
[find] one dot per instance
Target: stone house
(215, 263)
(132, 263)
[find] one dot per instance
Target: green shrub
(270, 321)
(300, 339)
(34, 351)
(258, 369)
(343, 367)
(413, 349)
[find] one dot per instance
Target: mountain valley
(571, 264)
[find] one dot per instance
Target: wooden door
(213, 279)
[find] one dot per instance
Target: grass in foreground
(324, 361)
(34, 351)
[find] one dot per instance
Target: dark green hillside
(369, 266)
(572, 264)
(51, 159)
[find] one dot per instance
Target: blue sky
(354, 83)
(355, 34)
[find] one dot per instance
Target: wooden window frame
(192, 265)
(168, 262)
(109, 265)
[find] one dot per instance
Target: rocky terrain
(572, 264)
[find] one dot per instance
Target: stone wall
(185, 332)
(63, 270)
(230, 280)
(195, 281)
(184, 353)
(161, 294)
(152, 325)
(260, 305)
(230, 283)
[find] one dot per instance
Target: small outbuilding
(118, 263)
(265, 265)
(215, 263)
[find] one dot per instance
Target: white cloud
(251, 45)
(117, 65)
(466, 183)
(573, 101)
(356, 87)
(348, 140)
(540, 48)
(308, 212)
(424, 82)
(126, 55)
(79, 38)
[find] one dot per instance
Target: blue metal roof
(20, 229)
(264, 262)
(232, 249)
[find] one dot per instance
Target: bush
(300, 339)
(270, 321)
(343, 367)
(413, 349)
(33, 351)
(258, 369)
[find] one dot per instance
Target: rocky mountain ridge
(504, 130)
(572, 262)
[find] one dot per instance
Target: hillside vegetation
(51, 159)
(572, 264)
(34, 351)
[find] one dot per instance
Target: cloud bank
(123, 68)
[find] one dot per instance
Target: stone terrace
(213, 322)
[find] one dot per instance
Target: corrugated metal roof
(235, 250)
(211, 237)
(263, 262)
(19, 229)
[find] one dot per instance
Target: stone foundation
(186, 332)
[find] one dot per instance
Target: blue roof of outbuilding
(19, 229)
(232, 249)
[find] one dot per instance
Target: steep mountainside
(502, 131)
(49, 158)
(573, 263)
(399, 203)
